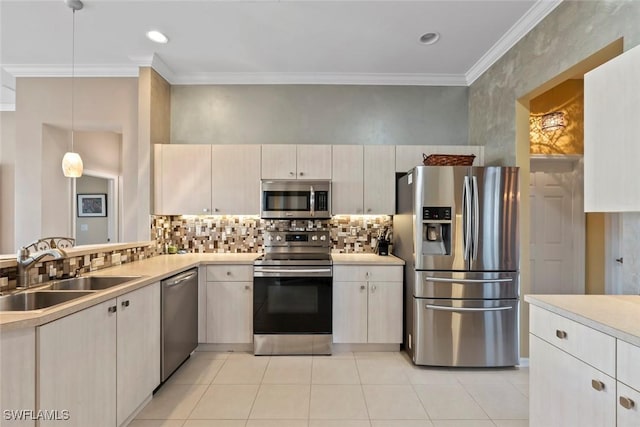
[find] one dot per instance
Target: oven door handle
(447, 308)
(285, 270)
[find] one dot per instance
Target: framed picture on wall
(92, 205)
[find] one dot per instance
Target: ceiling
(266, 41)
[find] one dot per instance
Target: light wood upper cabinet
(282, 161)
(314, 161)
(236, 180)
(279, 161)
(347, 181)
(612, 135)
(379, 179)
(182, 179)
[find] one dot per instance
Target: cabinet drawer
(229, 273)
(591, 346)
(628, 365)
(363, 273)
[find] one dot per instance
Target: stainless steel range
(292, 294)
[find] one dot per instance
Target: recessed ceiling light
(429, 38)
(157, 36)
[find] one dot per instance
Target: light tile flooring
(343, 390)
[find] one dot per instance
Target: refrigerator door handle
(476, 218)
(466, 207)
(447, 280)
(447, 308)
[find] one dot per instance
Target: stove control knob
(278, 238)
(270, 237)
(323, 237)
(314, 237)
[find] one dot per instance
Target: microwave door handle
(312, 201)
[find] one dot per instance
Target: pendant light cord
(73, 72)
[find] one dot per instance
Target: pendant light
(72, 162)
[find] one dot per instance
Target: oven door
(289, 300)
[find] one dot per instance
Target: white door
(555, 241)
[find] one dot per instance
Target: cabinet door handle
(626, 402)
(247, 287)
(228, 273)
(291, 173)
(597, 385)
(301, 173)
(561, 334)
(113, 309)
(362, 287)
(373, 288)
(125, 303)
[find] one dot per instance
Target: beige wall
(102, 104)
(7, 180)
(91, 230)
(594, 254)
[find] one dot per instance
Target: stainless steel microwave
(295, 199)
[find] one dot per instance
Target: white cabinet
(77, 366)
(565, 391)
(17, 370)
(347, 180)
(410, 156)
(379, 179)
(580, 376)
(101, 363)
(138, 348)
(367, 304)
(363, 180)
(229, 294)
(236, 180)
(282, 161)
(628, 376)
(182, 179)
(611, 135)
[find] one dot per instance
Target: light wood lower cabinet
(138, 348)
(367, 304)
(229, 305)
(579, 376)
(18, 375)
(101, 363)
(565, 391)
(77, 367)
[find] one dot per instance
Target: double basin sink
(59, 292)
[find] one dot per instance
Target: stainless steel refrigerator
(456, 228)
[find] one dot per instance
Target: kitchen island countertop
(615, 315)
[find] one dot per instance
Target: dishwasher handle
(180, 279)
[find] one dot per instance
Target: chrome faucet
(26, 261)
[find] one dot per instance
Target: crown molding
(525, 24)
(320, 79)
(155, 61)
(80, 70)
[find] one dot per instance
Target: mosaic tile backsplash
(56, 269)
(237, 234)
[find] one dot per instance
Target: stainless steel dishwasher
(179, 320)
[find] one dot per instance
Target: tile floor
(343, 390)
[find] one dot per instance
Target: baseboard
(137, 411)
(226, 347)
(337, 348)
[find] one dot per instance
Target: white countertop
(615, 315)
(152, 270)
(365, 259)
